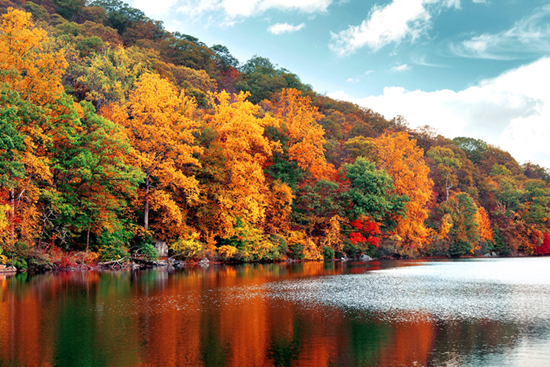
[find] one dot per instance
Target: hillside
(117, 133)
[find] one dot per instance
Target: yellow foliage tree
(109, 75)
(333, 237)
(302, 247)
(159, 124)
(278, 207)
(28, 61)
(404, 162)
(244, 150)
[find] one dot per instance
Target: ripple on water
(489, 290)
(516, 290)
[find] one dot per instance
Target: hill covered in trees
(115, 133)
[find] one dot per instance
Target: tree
(12, 150)
(263, 79)
(534, 171)
(371, 194)
(446, 164)
(11, 140)
(403, 161)
(91, 181)
(466, 228)
(70, 9)
(243, 150)
(120, 16)
(28, 61)
(108, 76)
(360, 146)
(159, 124)
(299, 122)
(31, 68)
(474, 148)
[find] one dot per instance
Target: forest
(115, 133)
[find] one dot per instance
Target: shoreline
(137, 264)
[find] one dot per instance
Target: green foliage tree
(261, 78)
(370, 193)
(11, 140)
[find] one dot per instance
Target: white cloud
(235, 9)
(420, 59)
(153, 8)
(511, 111)
(358, 78)
(281, 28)
(402, 67)
(389, 24)
(529, 36)
(252, 7)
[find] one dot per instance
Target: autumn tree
(239, 150)
(159, 124)
(107, 77)
(535, 171)
(29, 62)
(446, 165)
(31, 69)
(404, 162)
(299, 123)
(360, 146)
(92, 183)
(466, 228)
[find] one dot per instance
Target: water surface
(482, 312)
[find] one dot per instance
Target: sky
(475, 68)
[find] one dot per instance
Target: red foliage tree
(366, 232)
(544, 248)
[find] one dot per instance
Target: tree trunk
(12, 215)
(88, 239)
(447, 186)
(146, 209)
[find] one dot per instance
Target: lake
(474, 312)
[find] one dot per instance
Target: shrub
(113, 245)
(3, 259)
(328, 253)
(148, 251)
(189, 247)
(18, 254)
(226, 252)
(301, 247)
(112, 252)
(145, 246)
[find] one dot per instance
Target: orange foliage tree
(300, 123)
(244, 149)
(28, 59)
(399, 156)
(159, 124)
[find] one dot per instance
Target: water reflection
(478, 313)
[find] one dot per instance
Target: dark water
(493, 312)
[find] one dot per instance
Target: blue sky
(478, 68)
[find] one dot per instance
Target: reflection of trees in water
(225, 316)
(459, 340)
